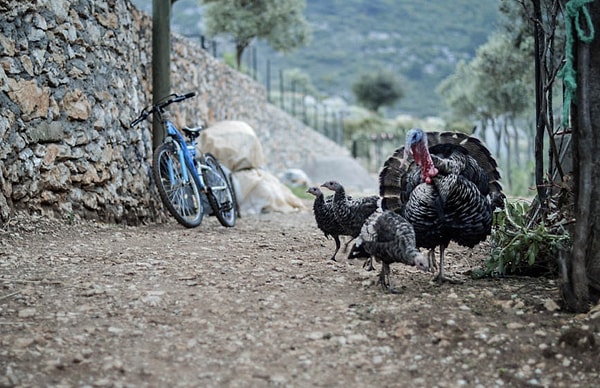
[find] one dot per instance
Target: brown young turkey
(447, 190)
(350, 213)
(326, 221)
(387, 237)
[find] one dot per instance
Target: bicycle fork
(185, 176)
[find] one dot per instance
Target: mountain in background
(421, 41)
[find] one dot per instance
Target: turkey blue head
(416, 144)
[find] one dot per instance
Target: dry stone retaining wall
(73, 74)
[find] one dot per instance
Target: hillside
(421, 41)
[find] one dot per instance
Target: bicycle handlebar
(158, 107)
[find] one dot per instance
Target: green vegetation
(495, 91)
(420, 41)
(280, 23)
(376, 89)
(300, 192)
(523, 247)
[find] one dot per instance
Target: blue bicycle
(185, 176)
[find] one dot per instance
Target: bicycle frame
(186, 155)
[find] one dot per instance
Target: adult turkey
(447, 190)
(387, 237)
(325, 217)
(350, 213)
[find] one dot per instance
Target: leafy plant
(520, 248)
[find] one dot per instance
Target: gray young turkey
(447, 190)
(324, 215)
(387, 237)
(350, 213)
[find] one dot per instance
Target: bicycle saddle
(192, 132)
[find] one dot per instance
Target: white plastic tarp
(234, 143)
(236, 146)
(261, 192)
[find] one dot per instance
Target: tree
(280, 22)
(583, 275)
(495, 88)
(458, 92)
(579, 67)
(374, 90)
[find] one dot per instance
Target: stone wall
(73, 74)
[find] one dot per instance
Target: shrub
(521, 246)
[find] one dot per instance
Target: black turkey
(387, 237)
(350, 213)
(324, 215)
(448, 190)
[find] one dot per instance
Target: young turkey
(324, 215)
(350, 213)
(387, 237)
(447, 190)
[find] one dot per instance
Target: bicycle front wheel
(178, 191)
(220, 191)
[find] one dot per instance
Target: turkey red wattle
(422, 157)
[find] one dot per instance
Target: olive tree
(495, 89)
(280, 22)
(377, 89)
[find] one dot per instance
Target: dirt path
(259, 305)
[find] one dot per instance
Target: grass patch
(300, 192)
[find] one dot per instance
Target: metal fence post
(293, 93)
(281, 105)
(268, 80)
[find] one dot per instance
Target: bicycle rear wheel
(180, 196)
(220, 191)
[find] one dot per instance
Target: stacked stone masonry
(73, 74)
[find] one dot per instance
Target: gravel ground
(259, 305)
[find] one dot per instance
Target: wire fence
(284, 90)
(294, 97)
